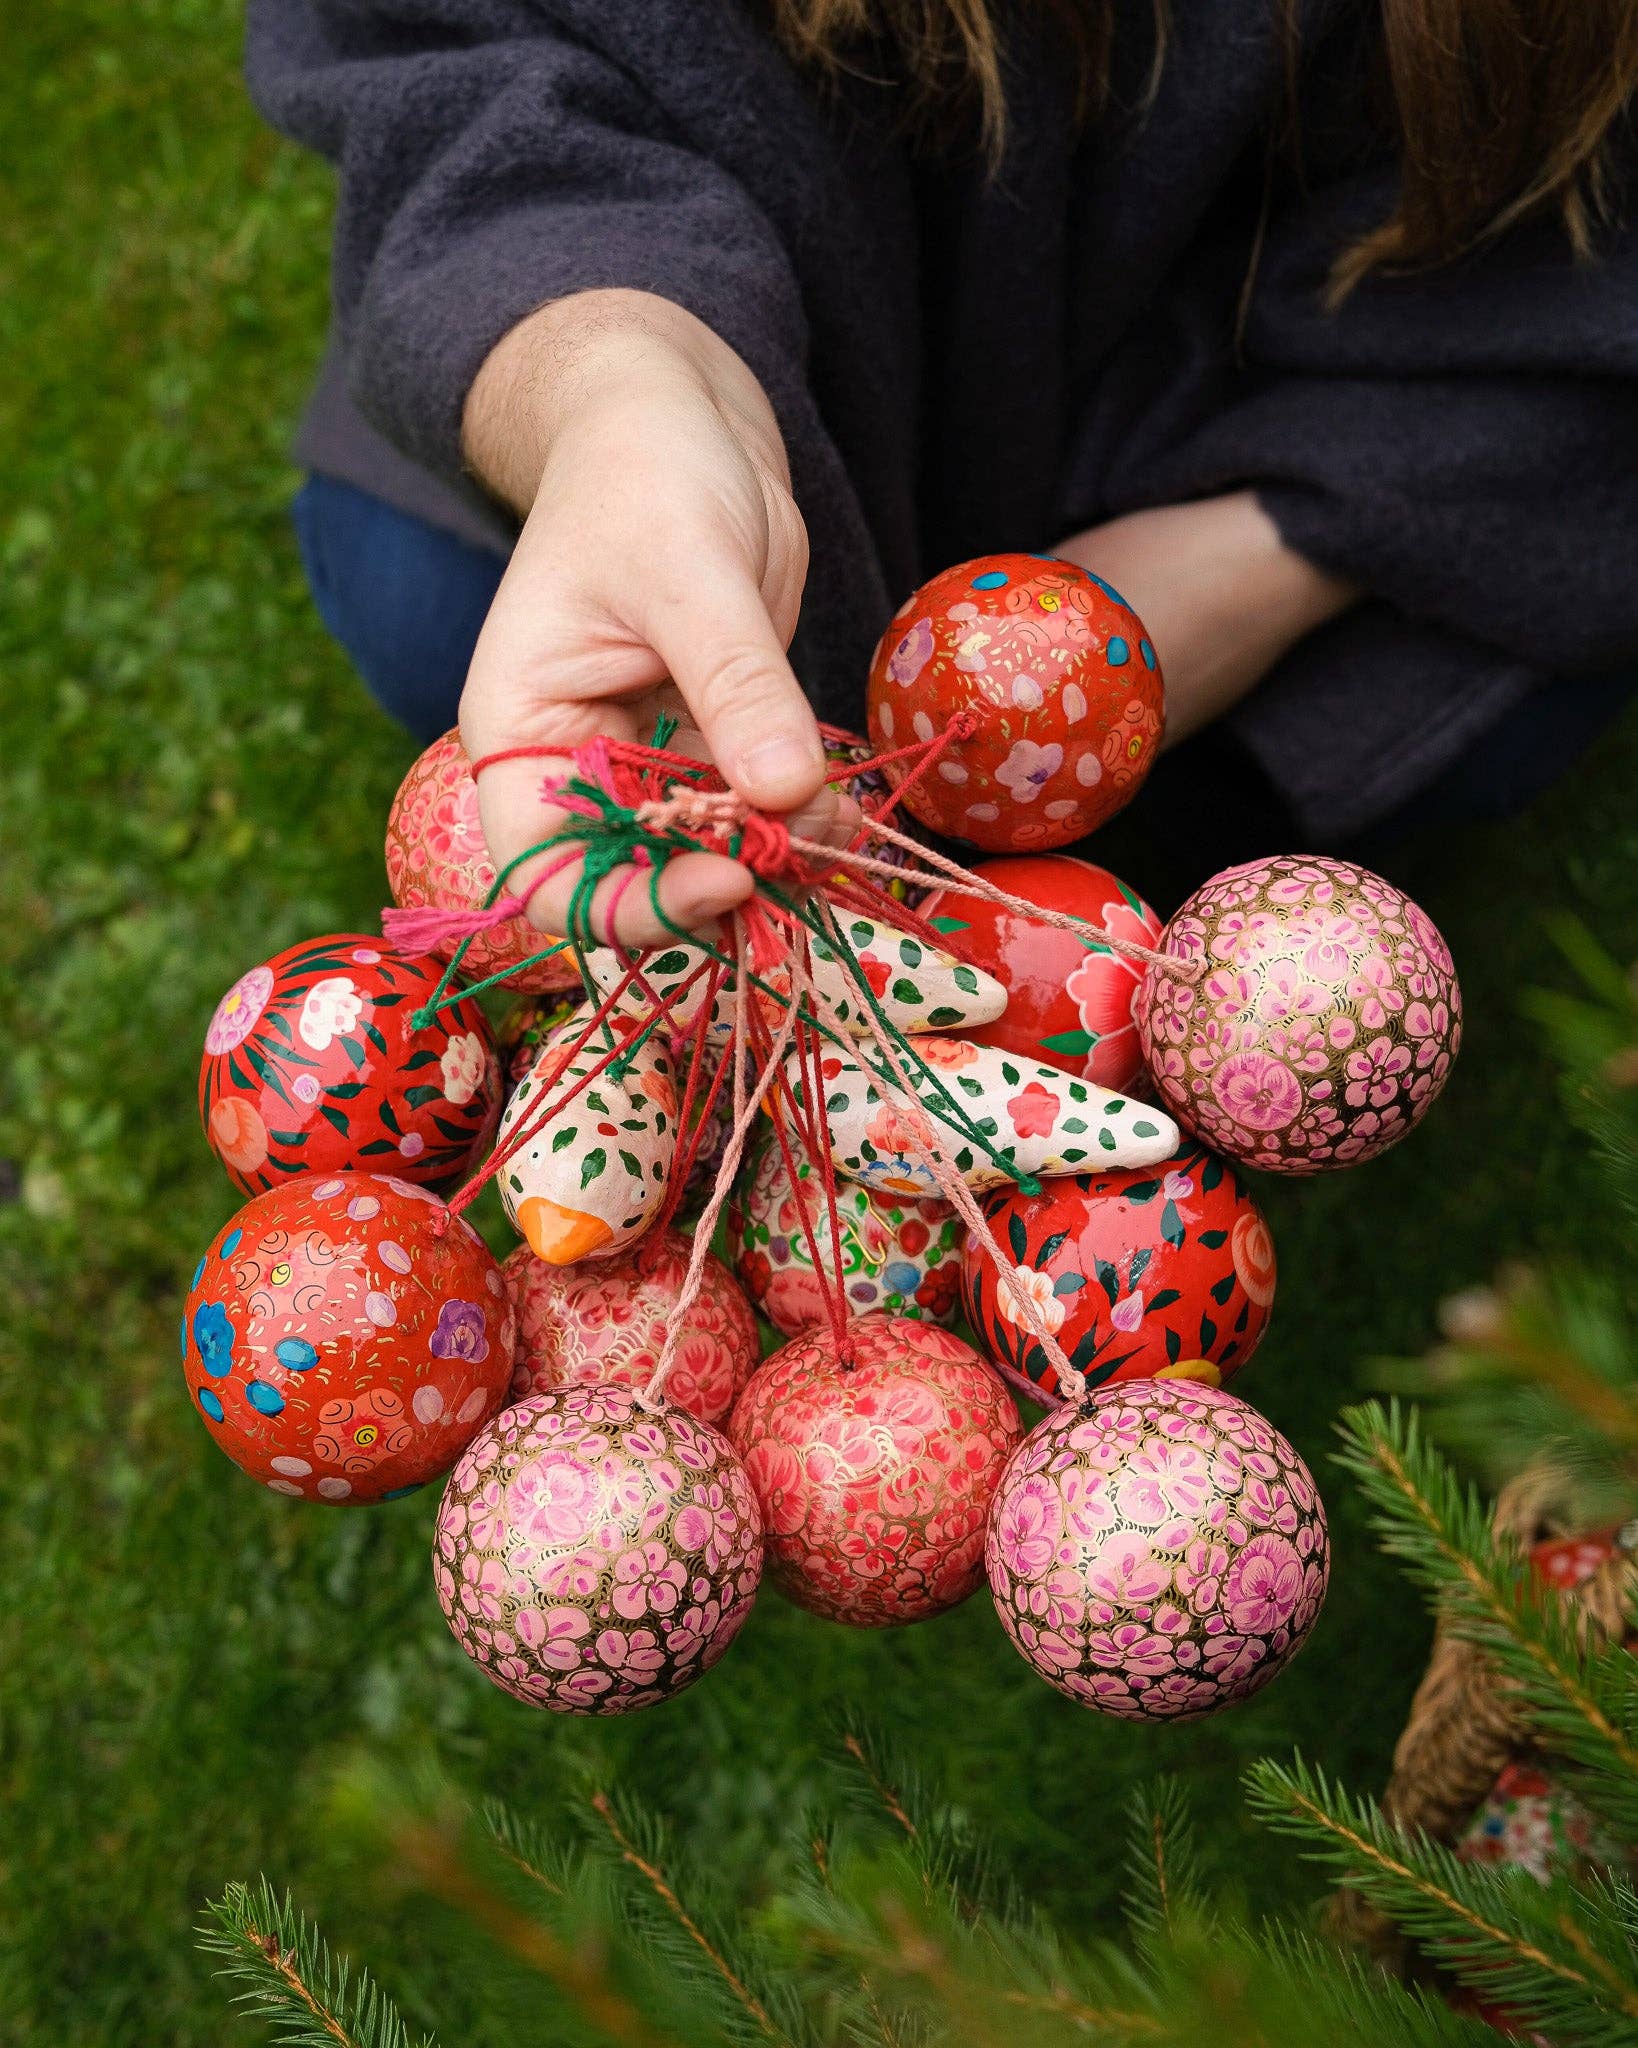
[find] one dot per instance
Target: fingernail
(779, 770)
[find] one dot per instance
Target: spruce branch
(1581, 1697)
(885, 1787)
(527, 1847)
(306, 1995)
(1559, 1957)
(1165, 1888)
(753, 2004)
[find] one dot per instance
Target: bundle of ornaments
(905, 1089)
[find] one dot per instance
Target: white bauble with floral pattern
(592, 1556)
(1157, 1551)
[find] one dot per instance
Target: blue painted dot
(1117, 653)
(1147, 652)
(213, 1333)
(992, 579)
(230, 1243)
(295, 1354)
(1108, 589)
(210, 1404)
(902, 1277)
(398, 1492)
(198, 1273)
(184, 1336)
(263, 1397)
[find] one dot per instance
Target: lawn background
(189, 780)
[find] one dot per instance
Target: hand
(1220, 594)
(660, 568)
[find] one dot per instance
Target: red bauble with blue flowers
(1143, 1273)
(346, 1337)
(314, 1064)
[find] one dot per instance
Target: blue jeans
(406, 600)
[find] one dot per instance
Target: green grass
(191, 780)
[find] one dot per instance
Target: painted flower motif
(647, 1579)
(552, 1499)
(898, 1130)
(464, 1066)
(1252, 1250)
(329, 1011)
(306, 1089)
(911, 656)
(235, 1015)
(1373, 1073)
(1127, 1313)
(1262, 1585)
(238, 1133)
(213, 1333)
(461, 1332)
(1034, 1111)
(359, 1433)
(1025, 1285)
(1258, 1091)
(948, 1055)
(1028, 768)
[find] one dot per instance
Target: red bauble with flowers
(1064, 691)
(875, 1476)
(1142, 1273)
(1069, 1002)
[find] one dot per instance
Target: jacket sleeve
(494, 155)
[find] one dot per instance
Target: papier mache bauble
(899, 1254)
(1323, 1020)
(1157, 1551)
(1070, 1003)
(606, 1320)
(313, 1064)
(1140, 1273)
(437, 856)
(345, 1337)
(592, 1557)
(875, 1477)
(869, 788)
(1065, 685)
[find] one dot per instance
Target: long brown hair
(1503, 108)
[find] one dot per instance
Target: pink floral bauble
(437, 855)
(607, 1319)
(875, 1477)
(593, 1557)
(1322, 1021)
(1157, 1551)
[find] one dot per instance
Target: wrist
(594, 356)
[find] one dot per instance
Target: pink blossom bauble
(874, 1478)
(1321, 1025)
(605, 1320)
(437, 855)
(1157, 1551)
(593, 1557)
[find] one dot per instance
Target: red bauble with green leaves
(1143, 1273)
(1068, 1003)
(345, 1337)
(313, 1065)
(1065, 687)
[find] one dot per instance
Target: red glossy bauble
(437, 855)
(1143, 1273)
(340, 1344)
(1067, 689)
(1067, 1003)
(313, 1065)
(874, 1478)
(607, 1320)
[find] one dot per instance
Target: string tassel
(425, 929)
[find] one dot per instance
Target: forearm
(1222, 595)
(593, 349)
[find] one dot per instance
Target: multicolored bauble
(1157, 1551)
(1322, 1021)
(593, 1557)
(437, 857)
(313, 1064)
(1065, 684)
(875, 1475)
(1140, 1273)
(899, 1254)
(1070, 1003)
(607, 1321)
(345, 1336)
